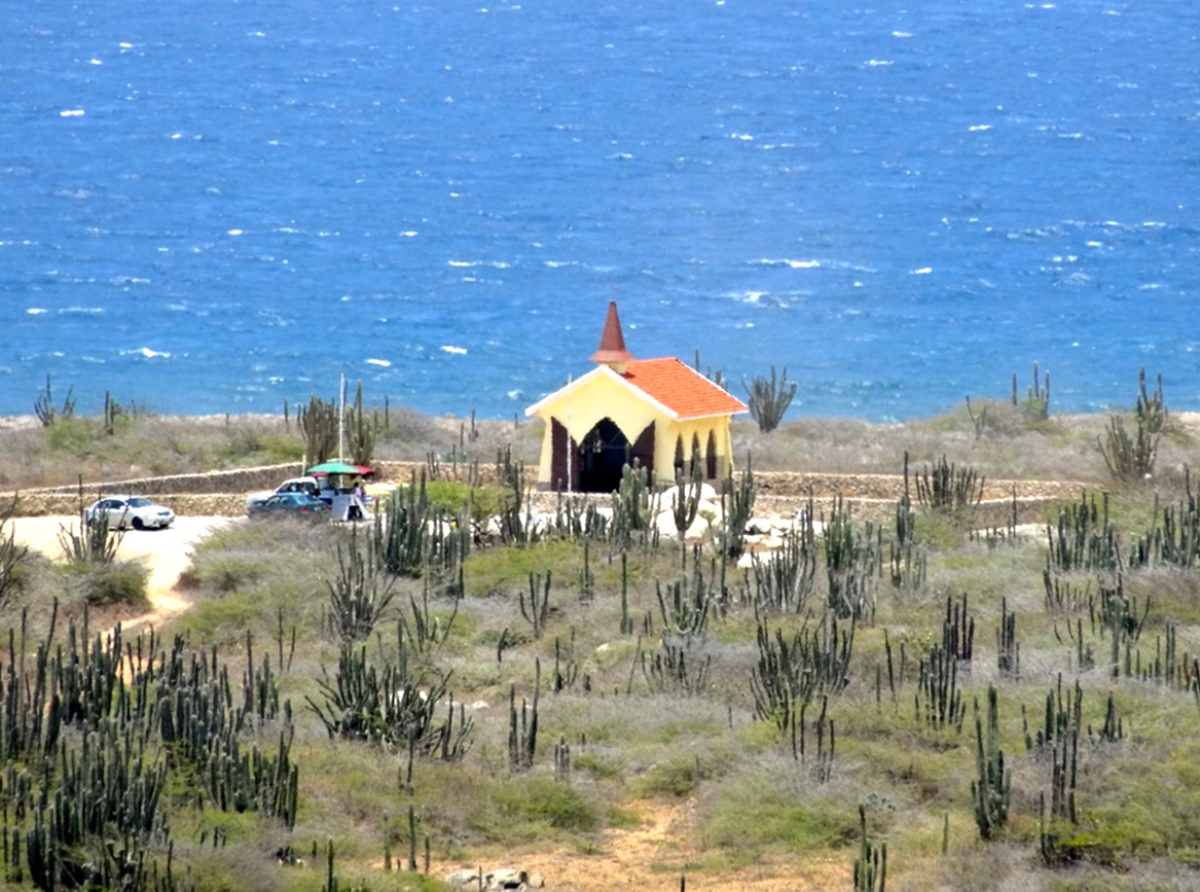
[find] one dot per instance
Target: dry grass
(748, 800)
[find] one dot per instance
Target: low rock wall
(239, 480)
(224, 492)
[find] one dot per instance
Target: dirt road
(166, 553)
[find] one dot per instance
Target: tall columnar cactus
(870, 867)
(1129, 457)
(400, 535)
(769, 400)
(12, 555)
(360, 430)
(1037, 397)
(360, 594)
(737, 506)
(991, 791)
(1150, 408)
(523, 726)
(939, 702)
(45, 409)
(687, 502)
(318, 422)
(1008, 651)
(631, 505)
(537, 609)
(516, 527)
(789, 674)
(945, 487)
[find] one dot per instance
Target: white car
(308, 485)
(130, 511)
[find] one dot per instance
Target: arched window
(711, 456)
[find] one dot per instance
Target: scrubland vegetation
(1004, 708)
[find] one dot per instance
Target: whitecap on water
(379, 362)
(71, 113)
(456, 350)
(146, 352)
(36, 311)
(923, 271)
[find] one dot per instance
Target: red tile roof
(680, 388)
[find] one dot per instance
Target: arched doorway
(602, 455)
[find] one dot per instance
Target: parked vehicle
(290, 504)
(124, 512)
(307, 485)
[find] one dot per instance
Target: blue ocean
(217, 206)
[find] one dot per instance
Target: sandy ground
(167, 553)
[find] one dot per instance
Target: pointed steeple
(612, 352)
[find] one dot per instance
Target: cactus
(870, 867)
(948, 488)
(360, 594)
(360, 431)
(685, 608)
(318, 422)
(424, 631)
(769, 400)
(1129, 457)
(400, 535)
(938, 699)
(390, 705)
(991, 791)
(851, 558)
(562, 760)
(1037, 397)
(789, 674)
(1174, 540)
(12, 556)
(47, 413)
(631, 506)
(1008, 651)
(1084, 538)
(112, 412)
(94, 544)
(978, 422)
(737, 506)
(523, 728)
(668, 670)
(1150, 409)
(537, 609)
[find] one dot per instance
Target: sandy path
(167, 553)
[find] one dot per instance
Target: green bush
(278, 449)
(452, 496)
(678, 777)
(121, 582)
(528, 806)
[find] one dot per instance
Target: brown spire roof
(612, 342)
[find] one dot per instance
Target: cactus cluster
(92, 730)
(991, 790)
(852, 558)
(769, 400)
(391, 705)
(789, 674)
(947, 488)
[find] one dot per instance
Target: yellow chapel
(660, 414)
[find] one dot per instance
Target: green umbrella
(334, 467)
